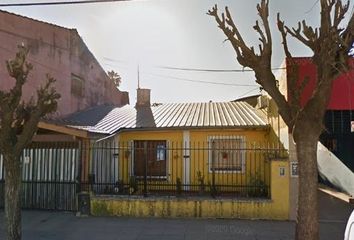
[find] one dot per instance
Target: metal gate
(50, 176)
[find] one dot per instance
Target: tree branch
(18, 68)
(296, 33)
(283, 33)
(246, 56)
(19, 119)
(46, 103)
(348, 34)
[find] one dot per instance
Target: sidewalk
(40, 225)
(43, 225)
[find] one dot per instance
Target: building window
(160, 152)
(77, 86)
(227, 154)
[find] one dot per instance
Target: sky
(151, 34)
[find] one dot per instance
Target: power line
(153, 74)
(308, 11)
(114, 66)
(244, 94)
(201, 81)
(115, 60)
(193, 69)
(185, 79)
(58, 3)
(211, 70)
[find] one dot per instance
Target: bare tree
(330, 45)
(115, 78)
(18, 124)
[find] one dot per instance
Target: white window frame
(243, 153)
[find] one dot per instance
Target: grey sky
(177, 34)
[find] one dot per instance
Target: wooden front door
(150, 155)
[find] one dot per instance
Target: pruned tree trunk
(307, 226)
(330, 44)
(18, 124)
(13, 197)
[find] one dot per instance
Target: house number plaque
(294, 169)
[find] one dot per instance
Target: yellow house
(220, 154)
(186, 148)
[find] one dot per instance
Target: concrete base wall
(276, 208)
(186, 208)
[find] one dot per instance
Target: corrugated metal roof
(172, 115)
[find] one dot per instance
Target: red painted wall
(60, 52)
(342, 97)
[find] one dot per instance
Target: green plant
(133, 185)
(257, 187)
(213, 189)
(179, 186)
(201, 183)
(119, 187)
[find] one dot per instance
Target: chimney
(143, 97)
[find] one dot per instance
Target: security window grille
(227, 154)
(77, 86)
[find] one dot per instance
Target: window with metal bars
(227, 154)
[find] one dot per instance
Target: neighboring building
(338, 135)
(60, 52)
(53, 157)
(335, 148)
(251, 100)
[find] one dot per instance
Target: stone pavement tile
(38, 225)
(101, 235)
(150, 237)
(155, 230)
(331, 208)
(195, 236)
(174, 236)
(196, 226)
(332, 230)
(261, 237)
(174, 230)
(277, 230)
(123, 237)
(237, 229)
(43, 235)
(40, 235)
(275, 236)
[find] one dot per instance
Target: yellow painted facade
(199, 160)
(275, 208)
(277, 178)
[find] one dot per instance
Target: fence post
(212, 148)
(279, 187)
(145, 168)
(79, 173)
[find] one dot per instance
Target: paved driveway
(39, 225)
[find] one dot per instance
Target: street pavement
(38, 225)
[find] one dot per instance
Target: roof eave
(248, 127)
(63, 129)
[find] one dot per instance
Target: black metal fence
(227, 167)
(53, 174)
